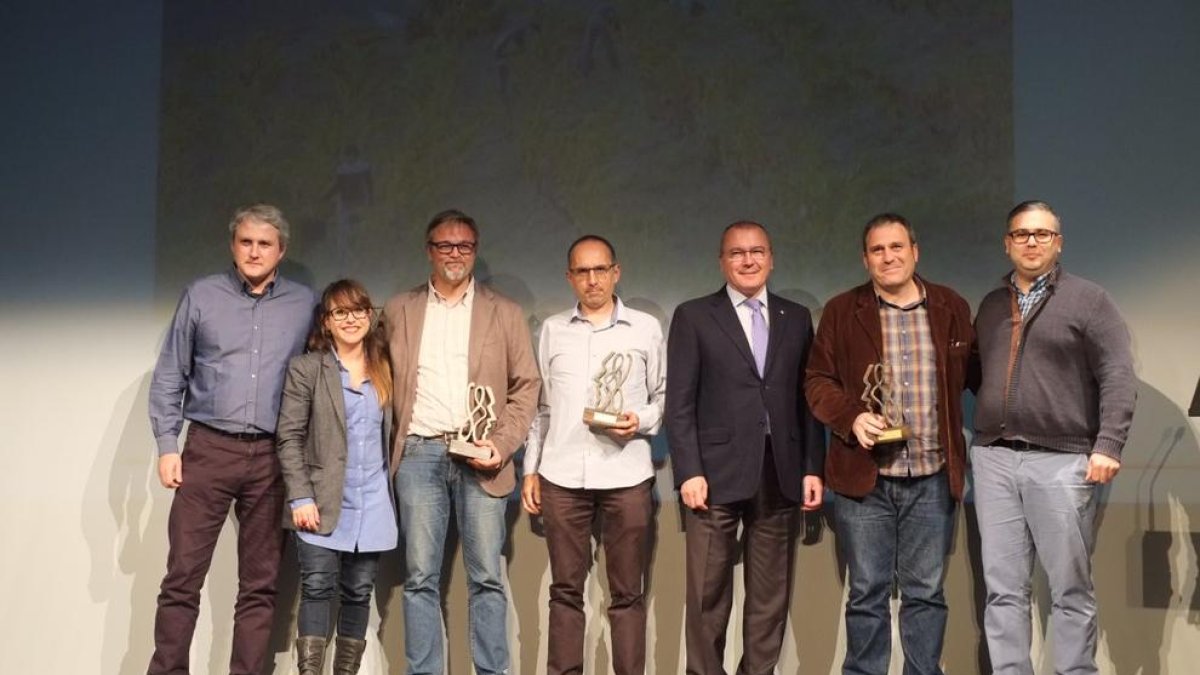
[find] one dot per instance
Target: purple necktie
(758, 334)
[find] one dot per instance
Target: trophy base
(600, 418)
(894, 435)
(468, 450)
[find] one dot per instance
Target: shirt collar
(467, 298)
(618, 313)
(736, 297)
(912, 305)
(342, 367)
(239, 283)
(1039, 284)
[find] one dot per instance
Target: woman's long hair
(349, 294)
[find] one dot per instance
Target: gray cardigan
(1069, 384)
(310, 436)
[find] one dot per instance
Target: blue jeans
(319, 577)
(900, 532)
(428, 485)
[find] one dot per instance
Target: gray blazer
(311, 437)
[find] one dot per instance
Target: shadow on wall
(124, 539)
(1153, 567)
(131, 533)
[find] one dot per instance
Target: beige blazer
(500, 355)
(310, 436)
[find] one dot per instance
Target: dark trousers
(625, 515)
(767, 554)
(217, 470)
(323, 572)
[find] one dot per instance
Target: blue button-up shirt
(367, 522)
(225, 356)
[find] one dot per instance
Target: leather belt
(1018, 444)
(444, 437)
(244, 436)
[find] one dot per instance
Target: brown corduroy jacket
(849, 338)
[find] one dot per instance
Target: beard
(455, 273)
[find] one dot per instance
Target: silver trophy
(880, 398)
(608, 397)
(481, 417)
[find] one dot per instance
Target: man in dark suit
(744, 447)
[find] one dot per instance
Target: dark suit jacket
(500, 355)
(311, 436)
(717, 404)
(850, 338)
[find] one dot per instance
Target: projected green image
(654, 123)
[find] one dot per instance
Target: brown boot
(348, 656)
(310, 654)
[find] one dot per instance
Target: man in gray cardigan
(1054, 407)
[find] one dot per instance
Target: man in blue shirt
(221, 368)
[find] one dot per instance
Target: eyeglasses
(445, 247)
(738, 255)
(1042, 237)
(341, 313)
(601, 271)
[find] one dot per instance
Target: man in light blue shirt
(576, 472)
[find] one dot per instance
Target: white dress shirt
(744, 313)
(440, 402)
(561, 447)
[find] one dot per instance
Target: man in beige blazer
(447, 334)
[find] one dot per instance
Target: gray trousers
(1028, 502)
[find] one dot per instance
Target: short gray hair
(264, 213)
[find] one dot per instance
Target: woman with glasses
(333, 444)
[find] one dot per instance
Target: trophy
(607, 394)
(881, 400)
(481, 417)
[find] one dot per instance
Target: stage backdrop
(134, 128)
(654, 124)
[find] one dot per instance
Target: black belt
(1018, 444)
(245, 436)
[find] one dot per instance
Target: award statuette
(607, 392)
(881, 400)
(481, 417)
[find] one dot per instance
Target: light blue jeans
(1031, 502)
(428, 486)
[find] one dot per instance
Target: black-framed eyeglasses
(341, 313)
(601, 271)
(445, 247)
(1042, 237)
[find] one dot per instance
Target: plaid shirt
(1037, 291)
(908, 349)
